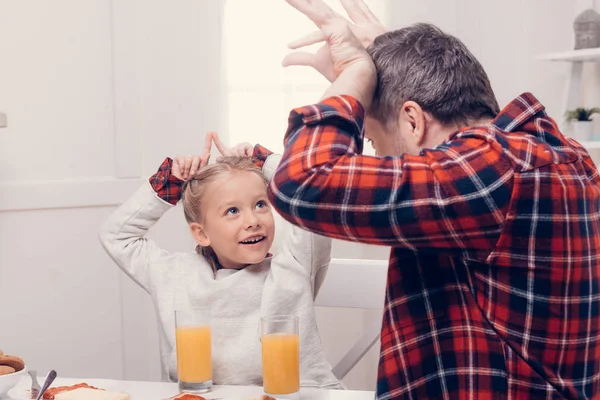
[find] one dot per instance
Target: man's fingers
(316, 10)
(359, 12)
(368, 13)
(220, 146)
(354, 11)
(299, 58)
(315, 37)
(310, 60)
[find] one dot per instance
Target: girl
(230, 218)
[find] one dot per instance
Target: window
(261, 92)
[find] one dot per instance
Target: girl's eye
(232, 211)
(261, 204)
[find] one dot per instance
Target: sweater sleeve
(123, 234)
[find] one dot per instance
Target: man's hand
(185, 167)
(240, 150)
(350, 65)
(365, 27)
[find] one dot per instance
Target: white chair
(355, 284)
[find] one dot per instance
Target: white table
(163, 390)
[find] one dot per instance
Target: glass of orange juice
(280, 355)
(194, 356)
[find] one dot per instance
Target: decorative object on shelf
(581, 119)
(587, 30)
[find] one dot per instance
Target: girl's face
(238, 222)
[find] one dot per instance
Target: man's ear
(413, 115)
(199, 234)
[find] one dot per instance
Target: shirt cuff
(344, 107)
(166, 185)
(260, 155)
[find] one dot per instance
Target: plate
(22, 390)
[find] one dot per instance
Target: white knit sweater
(283, 284)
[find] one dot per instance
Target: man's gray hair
(436, 70)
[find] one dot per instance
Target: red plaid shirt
(493, 286)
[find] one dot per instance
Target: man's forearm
(357, 81)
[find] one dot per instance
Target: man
(493, 216)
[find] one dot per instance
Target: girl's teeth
(253, 240)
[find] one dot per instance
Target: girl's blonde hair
(194, 188)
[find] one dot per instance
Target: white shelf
(592, 55)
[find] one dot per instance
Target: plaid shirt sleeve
(442, 199)
(260, 155)
(167, 186)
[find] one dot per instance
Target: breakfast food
(82, 391)
(263, 397)
(90, 394)
(189, 396)
(12, 361)
(5, 370)
(10, 364)
(52, 392)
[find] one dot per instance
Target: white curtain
(260, 92)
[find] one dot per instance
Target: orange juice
(281, 363)
(194, 363)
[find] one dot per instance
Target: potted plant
(581, 118)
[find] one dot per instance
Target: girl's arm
(123, 234)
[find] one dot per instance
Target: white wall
(505, 36)
(97, 92)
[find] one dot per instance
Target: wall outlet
(2, 120)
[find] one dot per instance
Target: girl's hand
(240, 150)
(185, 167)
